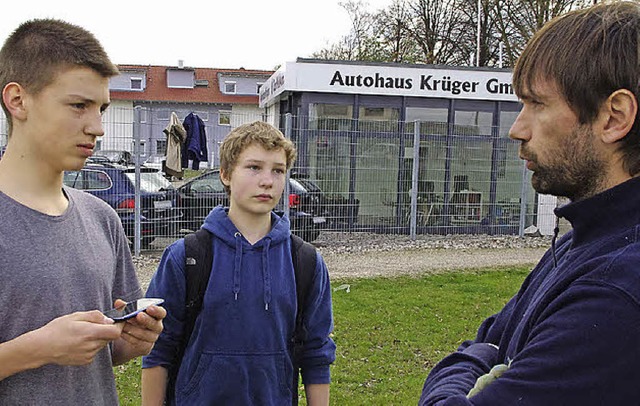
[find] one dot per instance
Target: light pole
(478, 36)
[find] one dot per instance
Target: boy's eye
(79, 106)
(279, 171)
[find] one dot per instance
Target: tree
(434, 26)
(444, 31)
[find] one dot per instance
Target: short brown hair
(588, 54)
(38, 49)
(259, 133)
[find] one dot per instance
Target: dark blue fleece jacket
(239, 352)
(572, 333)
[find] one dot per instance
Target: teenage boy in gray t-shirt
(63, 253)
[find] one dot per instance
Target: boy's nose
(94, 126)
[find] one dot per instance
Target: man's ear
(13, 96)
(619, 111)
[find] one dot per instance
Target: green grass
(391, 332)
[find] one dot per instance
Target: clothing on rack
(176, 136)
(195, 145)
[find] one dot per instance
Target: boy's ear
(619, 112)
(13, 96)
(224, 178)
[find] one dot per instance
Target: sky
(253, 34)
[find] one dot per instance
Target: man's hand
(139, 333)
(76, 338)
(486, 379)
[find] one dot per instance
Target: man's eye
(79, 106)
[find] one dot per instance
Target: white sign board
(413, 81)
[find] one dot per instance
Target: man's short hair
(588, 54)
(39, 49)
(256, 133)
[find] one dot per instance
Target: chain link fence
(381, 176)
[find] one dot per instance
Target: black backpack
(199, 260)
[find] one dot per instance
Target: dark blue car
(115, 184)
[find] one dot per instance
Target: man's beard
(576, 171)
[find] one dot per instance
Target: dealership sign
(389, 80)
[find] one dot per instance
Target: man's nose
(520, 129)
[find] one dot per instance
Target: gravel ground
(355, 255)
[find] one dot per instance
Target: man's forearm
(317, 394)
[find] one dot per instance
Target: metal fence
(381, 176)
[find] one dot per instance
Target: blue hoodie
(571, 334)
(239, 352)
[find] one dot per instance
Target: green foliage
(391, 331)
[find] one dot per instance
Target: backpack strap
(304, 258)
(199, 260)
(198, 264)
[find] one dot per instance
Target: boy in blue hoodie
(239, 351)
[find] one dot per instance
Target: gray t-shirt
(55, 265)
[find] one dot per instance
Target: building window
(204, 115)
(473, 122)
(136, 83)
(379, 119)
(224, 118)
(433, 120)
(374, 112)
(330, 116)
(230, 87)
(144, 115)
(161, 147)
(179, 78)
(163, 114)
(507, 118)
(259, 87)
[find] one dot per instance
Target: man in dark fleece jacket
(570, 336)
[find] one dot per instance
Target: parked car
(113, 156)
(155, 162)
(199, 195)
(115, 184)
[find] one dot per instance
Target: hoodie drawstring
(556, 231)
(266, 276)
(237, 265)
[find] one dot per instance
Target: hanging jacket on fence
(195, 146)
(176, 135)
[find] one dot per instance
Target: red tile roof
(157, 90)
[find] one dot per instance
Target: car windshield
(110, 155)
(150, 182)
(296, 187)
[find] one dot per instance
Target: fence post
(137, 133)
(414, 180)
(287, 133)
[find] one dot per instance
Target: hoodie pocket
(239, 379)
